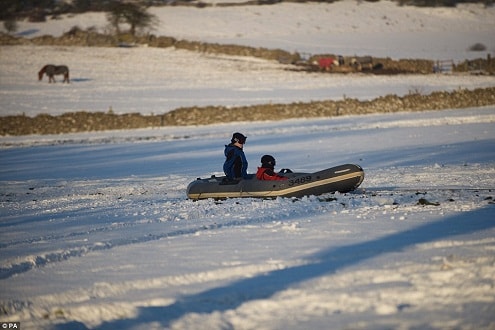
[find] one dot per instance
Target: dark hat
(239, 138)
(268, 161)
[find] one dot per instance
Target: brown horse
(52, 70)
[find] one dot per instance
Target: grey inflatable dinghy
(343, 178)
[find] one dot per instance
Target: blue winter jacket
(236, 164)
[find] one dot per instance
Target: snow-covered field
(150, 80)
(97, 233)
(344, 27)
(153, 80)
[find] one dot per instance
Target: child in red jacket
(266, 171)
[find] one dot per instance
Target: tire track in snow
(397, 201)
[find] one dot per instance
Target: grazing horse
(52, 70)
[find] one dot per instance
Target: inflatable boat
(343, 178)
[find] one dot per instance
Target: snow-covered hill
(159, 80)
(382, 29)
(97, 232)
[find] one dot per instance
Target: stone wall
(98, 121)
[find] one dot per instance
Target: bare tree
(10, 25)
(130, 13)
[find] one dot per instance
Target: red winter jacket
(268, 174)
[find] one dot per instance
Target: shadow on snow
(326, 262)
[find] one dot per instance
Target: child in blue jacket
(235, 166)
